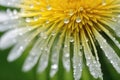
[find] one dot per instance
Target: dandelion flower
(57, 26)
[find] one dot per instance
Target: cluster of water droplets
(109, 52)
(38, 17)
(13, 14)
(10, 2)
(43, 35)
(67, 20)
(49, 8)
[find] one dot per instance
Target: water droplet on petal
(81, 8)
(47, 21)
(35, 18)
(66, 21)
(9, 12)
(49, 7)
(71, 39)
(28, 20)
(53, 33)
(114, 19)
(31, 6)
(78, 20)
(103, 2)
(15, 12)
(54, 66)
(43, 35)
(119, 16)
(71, 12)
(67, 55)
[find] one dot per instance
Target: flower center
(73, 14)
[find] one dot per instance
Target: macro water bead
(75, 29)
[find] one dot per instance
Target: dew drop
(71, 39)
(35, 18)
(31, 6)
(47, 21)
(53, 33)
(54, 66)
(114, 19)
(119, 16)
(29, 29)
(15, 12)
(104, 41)
(103, 2)
(71, 12)
(49, 7)
(81, 8)
(21, 48)
(9, 12)
(78, 20)
(8, 3)
(65, 46)
(46, 49)
(41, 48)
(28, 20)
(43, 35)
(67, 55)
(66, 21)
(20, 34)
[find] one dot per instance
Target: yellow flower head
(63, 27)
